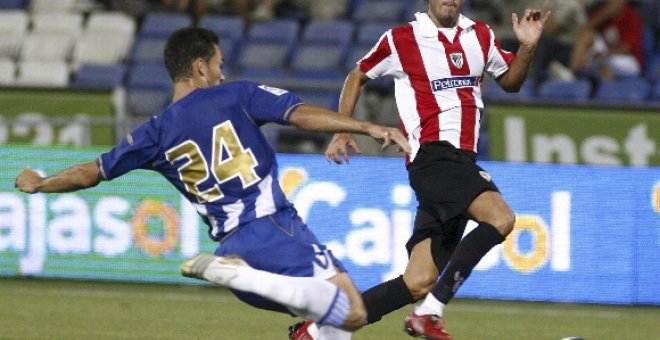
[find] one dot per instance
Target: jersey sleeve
(270, 104)
(498, 59)
(378, 62)
(136, 151)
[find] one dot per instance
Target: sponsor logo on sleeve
(274, 90)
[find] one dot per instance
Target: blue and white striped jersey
(209, 146)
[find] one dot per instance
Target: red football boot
(428, 326)
(300, 331)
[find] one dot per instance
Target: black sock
(386, 298)
(452, 231)
(466, 256)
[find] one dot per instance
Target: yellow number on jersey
(238, 162)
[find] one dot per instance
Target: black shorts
(447, 180)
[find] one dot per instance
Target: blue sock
(338, 311)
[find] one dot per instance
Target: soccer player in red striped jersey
(438, 62)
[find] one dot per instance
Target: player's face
(445, 12)
(215, 75)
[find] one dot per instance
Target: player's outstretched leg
(308, 297)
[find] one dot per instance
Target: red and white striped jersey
(437, 76)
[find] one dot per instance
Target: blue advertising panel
(583, 233)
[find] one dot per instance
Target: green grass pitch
(59, 309)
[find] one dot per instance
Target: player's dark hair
(186, 45)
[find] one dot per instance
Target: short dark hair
(186, 45)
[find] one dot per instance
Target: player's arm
(350, 94)
(513, 79)
(528, 31)
(314, 118)
(77, 177)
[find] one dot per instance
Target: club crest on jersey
(456, 59)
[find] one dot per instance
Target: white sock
(313, 331)
(327, 332)
(308, 297)
(430, 305)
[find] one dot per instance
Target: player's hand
(28, 181)
(528, 30)
(390, 136)
(338, 148)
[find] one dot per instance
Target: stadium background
(588, 225)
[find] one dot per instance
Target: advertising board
(573, 135)
(56, 117)
(583, 233)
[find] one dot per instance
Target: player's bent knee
(504, 222)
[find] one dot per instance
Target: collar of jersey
(428, 28)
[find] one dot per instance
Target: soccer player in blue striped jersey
(208, 144)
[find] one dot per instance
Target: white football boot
(216, 269)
